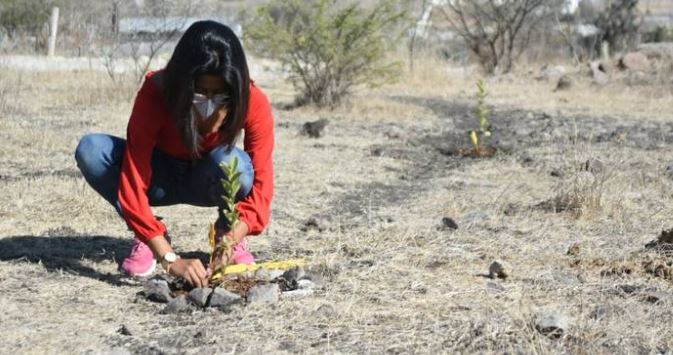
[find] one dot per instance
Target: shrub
(328, 46)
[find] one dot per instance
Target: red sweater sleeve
(255, 209)
(141, 138)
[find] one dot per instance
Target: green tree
(328, 46)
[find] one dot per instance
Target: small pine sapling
(480, 140)
(224, 245)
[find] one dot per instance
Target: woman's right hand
(191, 270)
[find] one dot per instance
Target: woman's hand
(191, 270)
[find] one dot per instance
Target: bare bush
(496, 31)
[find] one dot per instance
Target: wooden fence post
(53, 29)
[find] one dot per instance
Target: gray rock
(276, 273)
(178, 305)
(265, 293)
(594, 166)
(124, 330)
(599, 73)
(223, 298)
(498, 269)
(315, 129)
(157, 290)
(564, 83)
(199, 296)
(297, 293)
(268, 274)
(294, 274)
(634, 61)
(552, 323)
(448, 224)
(304, 284)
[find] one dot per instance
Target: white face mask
(205, 106)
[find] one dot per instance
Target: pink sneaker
(241, 255)
(140, 262)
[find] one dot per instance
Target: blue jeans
(174, 181)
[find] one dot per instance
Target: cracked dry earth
(567, 206)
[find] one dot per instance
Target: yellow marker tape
(279, 265)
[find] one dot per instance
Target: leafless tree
(496, 31)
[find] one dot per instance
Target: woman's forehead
(210, 82)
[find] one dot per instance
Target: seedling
(224, 245)
(479, 140)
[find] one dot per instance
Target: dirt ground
(379, 182)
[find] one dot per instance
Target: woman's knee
(91, 153)
(244, 166)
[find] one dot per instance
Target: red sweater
(151, 127)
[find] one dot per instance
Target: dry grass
(396, 283)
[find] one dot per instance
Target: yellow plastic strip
(279, 265)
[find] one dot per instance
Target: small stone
(178, 305)
(655, 297)
(294, 274)
(599, 73)
(418, 287)
(297, 293)
(594, 166)
(558, 173)
(199, 296)
(511, 209)
(265, 293)
(552, 324)
(564, 83)
(449, 224)
(377, 152)
(124, 330)
(315, 129)
(316, 223)
(157, 290)
(306, 284)
(498, 269)
(222, 298)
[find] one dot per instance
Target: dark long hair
(207, 47)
